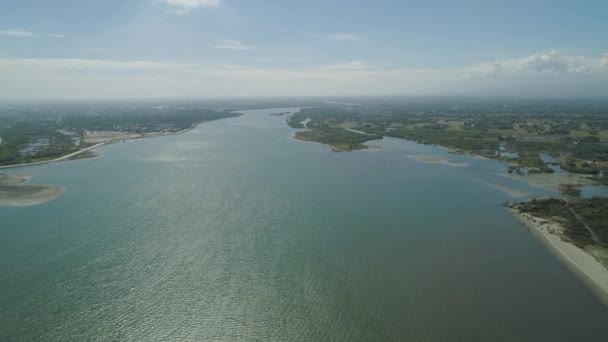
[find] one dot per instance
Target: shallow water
(234, 231)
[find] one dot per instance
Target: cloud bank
(543, 74)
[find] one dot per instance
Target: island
(338, 138)
(547, 142)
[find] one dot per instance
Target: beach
(591, 271)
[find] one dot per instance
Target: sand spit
(591, 271)
(28, 195)
(507, 190)
(437, 160)
(13, 192)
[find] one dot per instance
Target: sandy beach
(591, 271)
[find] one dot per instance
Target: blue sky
(208, 48)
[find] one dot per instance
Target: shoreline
(15, 194)
(62, 158)
(100, 144)
(581, 263)
(543, 181)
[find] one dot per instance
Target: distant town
(31, 135)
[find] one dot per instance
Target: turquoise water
(236, 232)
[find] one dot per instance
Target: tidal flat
(15, 193)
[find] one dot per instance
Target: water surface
(234, 231)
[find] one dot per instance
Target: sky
(83, 49)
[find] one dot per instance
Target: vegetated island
(14, 193)
(339, 139)
(545, 142)
(576, 230)
(29, 135)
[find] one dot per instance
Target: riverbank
(584, 265)
(74, 155)
(62, 158)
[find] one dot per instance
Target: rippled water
(234, 231)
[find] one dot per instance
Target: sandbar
(437, 160)
(13, 193)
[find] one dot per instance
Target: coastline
(584, 265)
(91, 148)
(62, 158)
(17, 194)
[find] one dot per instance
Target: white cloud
(230, 44)
(536, 75)
(604, 61)
(345, 37)
(17, 33)
(21, 33)
(185, 6)
(547, 63)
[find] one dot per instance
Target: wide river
(236, 232)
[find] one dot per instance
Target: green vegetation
(570, 190)
(85, 155)
(341, 140)
(28, 134)
(575, 215)
(574, 133)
